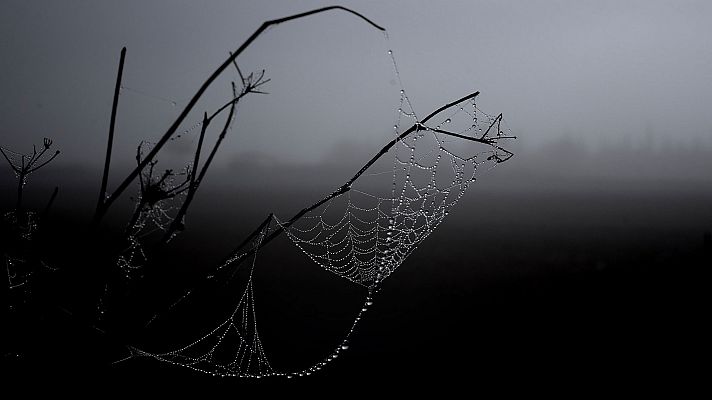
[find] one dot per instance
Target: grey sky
(597, 71)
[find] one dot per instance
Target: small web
(20, 263)
(234, 347)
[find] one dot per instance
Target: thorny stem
(26, 167)
(101, 211)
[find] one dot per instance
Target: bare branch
(101, 211)
(44, 163)
(177, 223)
(242, 78)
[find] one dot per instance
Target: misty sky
(593, 71)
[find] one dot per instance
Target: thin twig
(101, 211)
(499, 117)
(44, 163)
(177, 221)
(51, 201)
(112, 124)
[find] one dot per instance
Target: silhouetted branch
(177, 223)
(496, 120)
(101, 211)
(44, 163)
(51, 201)
(26, 166)
(112, 124)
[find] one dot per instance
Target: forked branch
(104, 206)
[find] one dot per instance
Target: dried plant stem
(105, 176)
(103, 208)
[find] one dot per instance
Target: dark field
(528, 277)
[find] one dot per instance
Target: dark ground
(605, 282)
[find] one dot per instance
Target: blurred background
(590, 245)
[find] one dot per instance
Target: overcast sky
(594, 71)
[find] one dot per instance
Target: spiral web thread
(234, 347)
(365, 233)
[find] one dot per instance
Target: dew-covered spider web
(365, 234)
(232, 348)
(364, 230)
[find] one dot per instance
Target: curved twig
(101, 211)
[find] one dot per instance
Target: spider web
(234, 347)
(365, 233)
